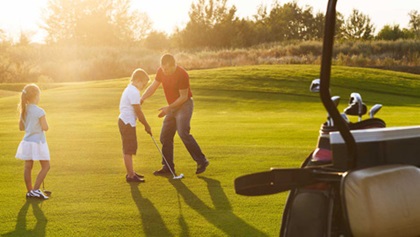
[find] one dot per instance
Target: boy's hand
(148, 129)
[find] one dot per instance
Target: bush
(81, 63)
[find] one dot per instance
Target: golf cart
(363, 179)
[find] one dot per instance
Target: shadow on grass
(181, 220)
(153, 224)
(41, 220)
(220, 216)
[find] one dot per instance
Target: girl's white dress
(33, 145)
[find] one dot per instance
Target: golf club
(336, 100)
(374, 110)
(357, 98)
(344, 116)
(280, 179)
(169, 167)
(356, 109)
(48, 193)
(315, 85)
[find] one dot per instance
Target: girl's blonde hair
(140, 75)
(29, 92)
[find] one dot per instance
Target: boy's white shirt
(129, 97)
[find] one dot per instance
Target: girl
(34, 145)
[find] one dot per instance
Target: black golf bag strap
(368, 123)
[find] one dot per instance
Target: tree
(317, 26)
(390, 33)
(358, 27)
(131, 26)
(157, 40)
(258, 29)
(93, 22)
(339, 25)
(197, 29)
(279, 21)
(415, 23)
(225, 29)
(210, 25)
(290, 22)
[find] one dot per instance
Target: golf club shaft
(161, 153)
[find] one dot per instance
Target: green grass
(246, 119)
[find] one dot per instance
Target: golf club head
(336, 100)
(374, 110)
(46, 192)
(356, 97)
(179, 176)
(354, 109)
(315, 85)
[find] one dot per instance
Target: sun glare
(21, 16)
(165, 15)
(18, 16)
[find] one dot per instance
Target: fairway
(246, 120)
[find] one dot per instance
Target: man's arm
(142, 118)
(150, 91)
(183, 96)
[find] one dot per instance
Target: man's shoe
(134, 179)
(162, 172)
(202, 167)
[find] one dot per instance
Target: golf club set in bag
(362, 179)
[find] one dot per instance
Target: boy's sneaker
(134, 179)
(36, 194)
(202, 167)
(163, 172)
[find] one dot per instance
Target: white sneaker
(36, 194)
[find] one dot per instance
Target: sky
(166, 15)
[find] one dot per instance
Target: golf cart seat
(383, 201)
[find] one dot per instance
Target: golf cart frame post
(327, 51)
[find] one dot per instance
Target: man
(176, 86)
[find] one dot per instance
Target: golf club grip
(274, 181)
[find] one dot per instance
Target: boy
(130, 110)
